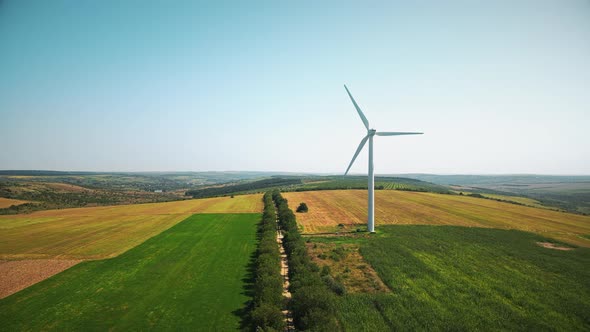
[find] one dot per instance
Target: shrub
(302, 208)
(268, 318)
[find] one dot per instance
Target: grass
(102, 232)
(190, 277)
(7, 202)
(464, 278)
(328, 209)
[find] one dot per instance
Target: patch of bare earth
(8, 202)
(17, 275)
(554, 246)
(64, 187)
(347, 266)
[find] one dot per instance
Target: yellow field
(101, 232)
(7, 202)
(327, 209)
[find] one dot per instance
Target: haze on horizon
(498, 87)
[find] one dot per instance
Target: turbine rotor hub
(371, 132)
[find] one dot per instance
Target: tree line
(313, 301)
(268, 287)
(242, 187)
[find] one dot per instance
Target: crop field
(102, 232)
(328, 209)
(570, 193)
(7, 202)
(192, 276)
(467, 278)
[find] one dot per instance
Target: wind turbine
(370, 134)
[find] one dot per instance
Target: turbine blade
(395, 133)
(358, 109)
(358, 150)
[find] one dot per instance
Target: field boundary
(289, 325)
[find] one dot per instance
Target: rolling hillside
(102, 232)
(348, 208)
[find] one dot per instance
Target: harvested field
(17, 275)
(328, 209)
(8, 202)
(191, 277)
(102, 232)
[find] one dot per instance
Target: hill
(102, 232)
(348, 208)
(307, 183)
(569, 193)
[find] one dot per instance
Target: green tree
(302, 208)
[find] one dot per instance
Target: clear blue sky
(498, 86)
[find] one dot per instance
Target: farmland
(19, 274)
(466, 278)
(328, 209)
(438, 261)
(570, 193)
(57, 195)
(192, 277)
(7, 202)
(102, 232)
(58, 190)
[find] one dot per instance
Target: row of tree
(312, 302)
(249, 186)
(266, 314)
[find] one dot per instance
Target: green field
(104, 231)
(466, 278)
(192, 277)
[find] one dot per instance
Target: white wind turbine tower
(370, 134)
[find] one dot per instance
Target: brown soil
(554, 246)
(17, 275)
